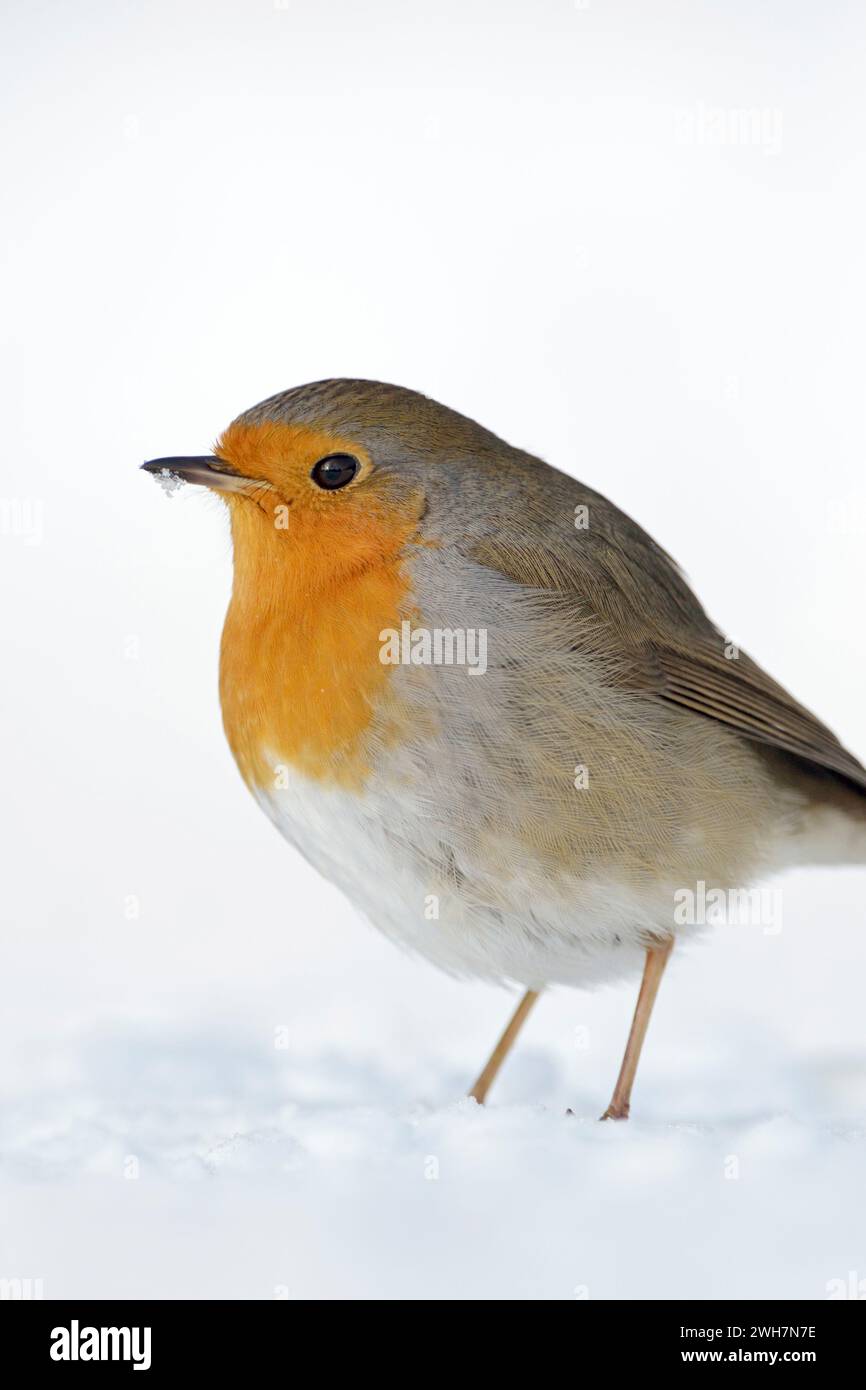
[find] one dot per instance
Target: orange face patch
(317, 576)
(285, 455)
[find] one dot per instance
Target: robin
(486, 704)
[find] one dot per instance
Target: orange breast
(301, 682)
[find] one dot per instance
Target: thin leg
(656, 960)
(502, 1048)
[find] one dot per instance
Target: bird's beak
(208, 471)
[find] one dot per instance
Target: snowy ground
(207, 1106)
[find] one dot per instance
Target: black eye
(335, 471)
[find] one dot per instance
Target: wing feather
(662, 638)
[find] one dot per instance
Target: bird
(487, 705)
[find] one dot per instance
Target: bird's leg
(654, 968)
(502, 1048)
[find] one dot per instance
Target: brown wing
(623, 580)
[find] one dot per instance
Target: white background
(545, 215)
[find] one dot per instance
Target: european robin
(481, 700)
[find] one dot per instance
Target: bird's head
(323, 480)
(333, 490)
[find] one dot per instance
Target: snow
(273, 1108)
(169, 482)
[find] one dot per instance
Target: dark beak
(208, 470)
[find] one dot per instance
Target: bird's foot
(616, 1111)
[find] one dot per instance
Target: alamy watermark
(850, 1287)
(434, 646)
(741, 907)
(759, 127)
(21, 1290)
(77, 1343)
(22, 517)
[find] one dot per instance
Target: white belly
(514, 924)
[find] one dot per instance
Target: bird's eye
(335, 471)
